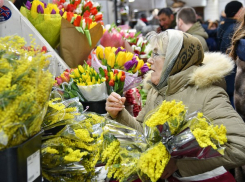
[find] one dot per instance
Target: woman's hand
(169, 169)
(114, 104)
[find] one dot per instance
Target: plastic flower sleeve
(218, 174)
(48, 25)
(95, 92)
(62, 112)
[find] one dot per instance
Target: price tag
(33, 166)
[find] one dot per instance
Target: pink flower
(59, 80)
(65, 77)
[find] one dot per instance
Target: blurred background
(126, 12)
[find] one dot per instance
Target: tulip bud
(100, 53)
(129, 56)
(111, 60)
(139, 65)
(81, 69)
(107, 52)
(121, 57)
(76, 73)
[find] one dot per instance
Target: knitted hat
(232, 8)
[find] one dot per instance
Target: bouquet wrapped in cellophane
(24, 93)
(70, 147)
(46, 18)
(120, 59)
(168, 132)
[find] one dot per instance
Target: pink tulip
(59, 80)
(65, 77)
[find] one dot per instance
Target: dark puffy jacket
(225, 33)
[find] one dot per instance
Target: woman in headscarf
(181, 71)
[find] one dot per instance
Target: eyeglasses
(155, 54)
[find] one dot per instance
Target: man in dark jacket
(225, 31)
(166, 20)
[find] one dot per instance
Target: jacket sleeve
(217, 107)
(127, 119)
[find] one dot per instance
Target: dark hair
(188, 15)
(143, 15)
(166, 11)
(239, 34)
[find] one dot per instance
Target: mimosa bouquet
(83, 21)
(46, 18)
(168, 132)
(60, 113)
(25, 88)
(73, 152)
(120, 59)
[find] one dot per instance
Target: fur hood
(215, 67)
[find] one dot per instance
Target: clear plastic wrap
(26, 86)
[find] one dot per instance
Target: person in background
(225, 32)
(144, 18)
(166, 20)
(211, 28)
(237, 53)
(181, 71)
(187, 22)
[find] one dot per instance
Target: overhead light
(130, 1)
(135, 10)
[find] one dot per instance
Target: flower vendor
(181, 71)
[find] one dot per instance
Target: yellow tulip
(80, 68)
(76, 73)
(113, 49)
(112, 76)
(93, 24)
(149, 65)
(111, 60)
(100, 52)
(121, 57)
(129, 56)
(107, 51)
(119, 74)
(139, 65)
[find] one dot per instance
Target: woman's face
(156, 61)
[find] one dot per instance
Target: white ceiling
(152, 4)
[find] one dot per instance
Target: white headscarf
(169, 43)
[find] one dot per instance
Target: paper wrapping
(74, 46)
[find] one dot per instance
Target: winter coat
(239, 94)
(200, 89)
(198, 31)
(225, 33)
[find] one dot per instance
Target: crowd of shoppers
(213, 91)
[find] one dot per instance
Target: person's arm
(217, 107)
(116, 110)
